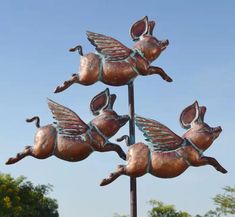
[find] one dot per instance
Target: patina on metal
(169, 155)
(73, 140)
(115, 64)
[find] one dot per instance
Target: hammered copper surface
(168, 155)
(115, 64)
(73, 140)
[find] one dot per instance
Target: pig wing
(109, 47)
(68, 123)
(160, 136)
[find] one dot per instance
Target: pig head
(199, 132)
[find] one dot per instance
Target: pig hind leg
(121, 170)
(29, 151)
(68, 83)
(89, 71)
(75, 77)
(26, 152)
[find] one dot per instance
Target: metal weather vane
(166, 156)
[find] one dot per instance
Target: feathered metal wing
(160, 136)
(68, 123)
(111, 48)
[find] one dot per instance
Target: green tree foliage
(159, 209)
(225, 207)
(226, 202)
(20, 198)
(212, 213)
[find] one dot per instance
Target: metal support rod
(133, 194)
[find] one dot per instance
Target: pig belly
(137, 159)
(89, 69)
(117, 73)
(71, 149)
(167, 164)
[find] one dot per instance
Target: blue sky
(35, 38)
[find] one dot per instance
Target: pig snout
(164, 44)
(123, 119)
(216, 131)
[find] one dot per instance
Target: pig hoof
(169, 79)
(222, 170)
(10, 161)
(58, 89)
(104, 182)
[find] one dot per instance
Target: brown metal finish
(115, 64)
(131, 141)
(72, 139)
(169, 155)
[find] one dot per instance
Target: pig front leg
(157, 70)
(209, 161)
(113, 147)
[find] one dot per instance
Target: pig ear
(112, 100)
(139, 28)
(202, 110)
(151, 25)
(189, 115)
(100, 102)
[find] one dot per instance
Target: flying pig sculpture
(169, 155)
(115, 64)
(72, 139)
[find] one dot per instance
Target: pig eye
(107, 118)
(205, 129)
(208, 130)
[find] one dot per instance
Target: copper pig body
(73, 140)
(169, 155)
(115, 64)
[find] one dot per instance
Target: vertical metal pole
(133, 194)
